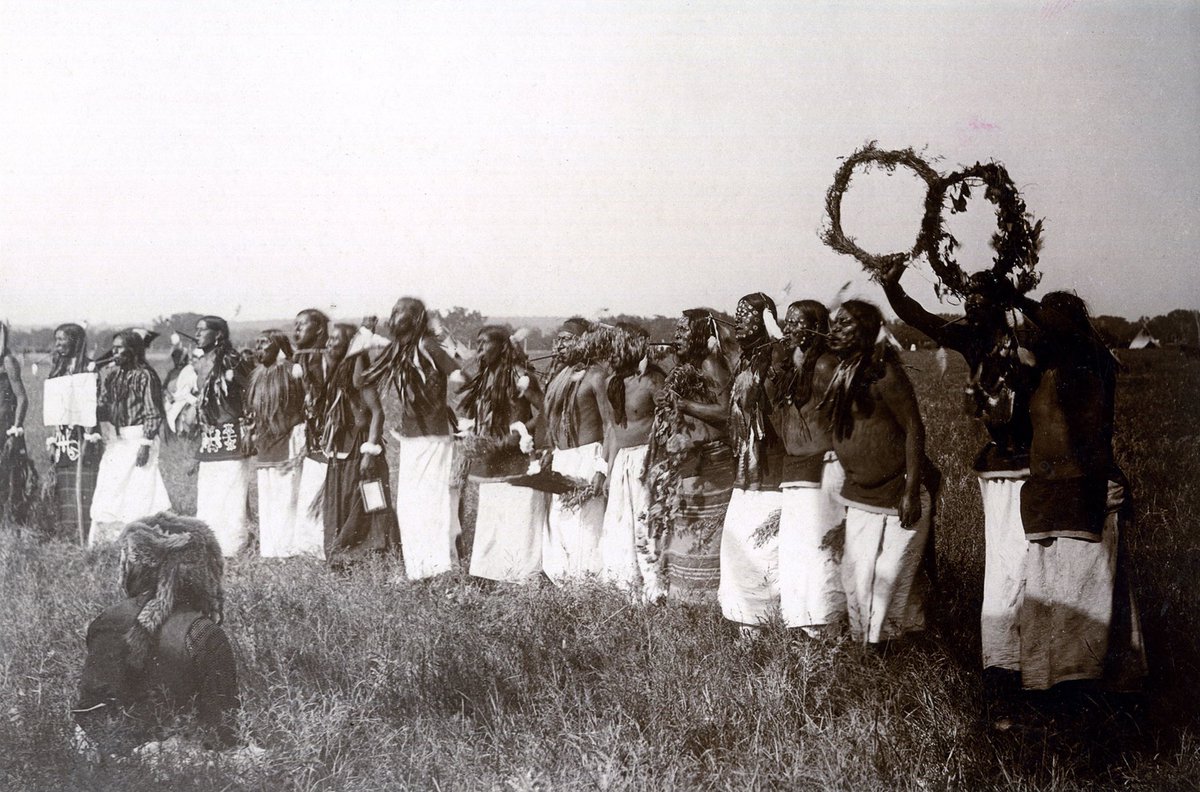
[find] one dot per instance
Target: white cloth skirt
(276, 510)
(571, 548)
(425, 508)
(508, 532)
(308, 537)
(810, 569)
(1003, 573)
(1067, 612)
(124, 491)
(881, 561)
(749, 590)
(628, 555)
(222, 488)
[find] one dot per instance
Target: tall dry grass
(364, 681)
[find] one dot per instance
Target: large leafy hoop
(867, 156)
(1017, 239)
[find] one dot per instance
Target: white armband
(146, 441)
(15, 431)
(370, 449)
(526, 443)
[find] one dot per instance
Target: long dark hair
(225, 383)
(819, 315)
(118, 388)
(489, 398)
(74, 363)
(276, 397)
(858, 370)
(627, 348)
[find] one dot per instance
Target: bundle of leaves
(580, 493)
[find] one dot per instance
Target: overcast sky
(253, 158)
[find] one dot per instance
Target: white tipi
(1143, 340)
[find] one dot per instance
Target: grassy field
(364, 681)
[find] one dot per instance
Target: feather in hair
(771, 325)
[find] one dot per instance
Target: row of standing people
(792, 481)
(795, 480)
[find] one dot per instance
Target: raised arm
(913, 314)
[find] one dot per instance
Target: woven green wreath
(867, 156)
(1017, 239)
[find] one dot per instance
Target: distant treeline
(1179, 327)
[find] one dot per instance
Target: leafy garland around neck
(670, 445)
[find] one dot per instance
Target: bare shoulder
(716, 368)
(826, 365)
(895, 388)
(596, 377)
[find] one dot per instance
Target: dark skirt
(74, 483)
(350, 533)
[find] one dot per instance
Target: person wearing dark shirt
(420, 371)
(879, 439)
(352, 440)
(130, 411)
(223, 476)
(159, 663)
(749, 589)
(18, 476)
(499, 404)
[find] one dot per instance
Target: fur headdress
(177, 561)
